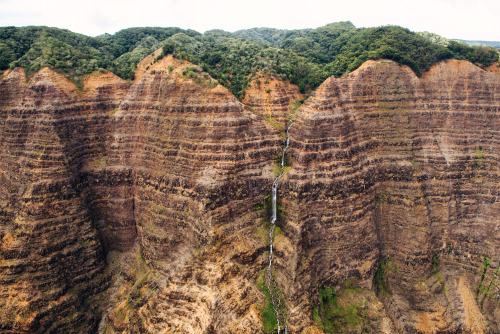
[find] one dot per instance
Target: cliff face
(200, 160)
(142, 207)
(394, 183)
(273, 99)
(52, 261)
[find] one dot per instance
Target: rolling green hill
(306, 57)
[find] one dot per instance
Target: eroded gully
(277, 300)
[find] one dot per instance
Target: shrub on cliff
(484, 56)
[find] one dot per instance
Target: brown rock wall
(52, 261)
(272, 98)
(391, 199)
(388, 166)
(200, 160)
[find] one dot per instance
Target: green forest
(306, 57)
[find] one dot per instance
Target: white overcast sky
(462, 19)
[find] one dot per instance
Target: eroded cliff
(52, 265)
(394, 184)
(273, 99)
(142, 207)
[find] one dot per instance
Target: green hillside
(306, 57)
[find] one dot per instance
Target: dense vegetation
(306, 57)
(128, 47)
(341, 311)
(493, 44)
(77, 55)
(35, 47)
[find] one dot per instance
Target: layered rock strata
(273, 99)
(169, 175)
(394, 183)
(141, 207)
(200, 161)
(52, 261)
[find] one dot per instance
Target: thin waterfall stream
(272, 286)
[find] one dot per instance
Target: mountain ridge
(305, 57)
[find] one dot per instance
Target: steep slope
(394, 185)
(200, 160)
(52, 263)
(271, 98)
(142, 207)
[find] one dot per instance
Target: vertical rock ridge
(200, 160)
(52, 261)
(389, 168)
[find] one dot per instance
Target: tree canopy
(306, 57)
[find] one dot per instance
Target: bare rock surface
(142, 206)
(272, 98)
(394, 182)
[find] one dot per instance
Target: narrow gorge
(279, 307)
(167, 205)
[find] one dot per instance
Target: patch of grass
(277, 164)
(277, 231)
(335, 314)
(274, 123)
(85, 243)
(112, 112)
(486, 266)
(479, 152)
(382, 198)
(277, 169)
(259, 207)
(269, 321)
(435, 262)
(264, 209)
(134, 299)
(296, 105)
(437, 274)
(488, 293)
(316, 317)
(381, 277)
(479, 156)
(100, 163)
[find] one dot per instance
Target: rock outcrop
(394, 183)
(142, 207)
(52, 262)
(273, 99)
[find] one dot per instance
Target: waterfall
(272, 285)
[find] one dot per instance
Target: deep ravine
(279, 307)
